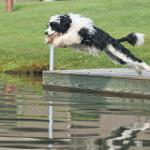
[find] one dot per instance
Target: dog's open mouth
(50, 38)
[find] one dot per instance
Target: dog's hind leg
(144, 66)
(123, 56)
(136, 68)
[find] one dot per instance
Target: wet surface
(31, 118)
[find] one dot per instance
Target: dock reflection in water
(32, 118)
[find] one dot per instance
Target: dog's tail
(135, 39)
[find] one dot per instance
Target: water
(31, 118)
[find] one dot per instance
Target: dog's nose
(46, 32)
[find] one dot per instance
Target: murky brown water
(31, 118)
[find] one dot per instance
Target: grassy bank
(22, 47)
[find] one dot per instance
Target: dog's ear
(65, 23)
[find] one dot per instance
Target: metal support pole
(50, 125)
(51, 61)
(50, 120)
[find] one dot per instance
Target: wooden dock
(120, 82)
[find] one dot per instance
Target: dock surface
(117, 82)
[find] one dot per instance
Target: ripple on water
(31, 118)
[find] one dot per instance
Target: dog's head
(58, 24)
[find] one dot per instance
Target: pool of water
(33, 118)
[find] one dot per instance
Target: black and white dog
(74, 30)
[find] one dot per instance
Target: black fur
(115, 58)
(101, 40)
(131, 39)
(64, 24)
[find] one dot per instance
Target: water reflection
(110, 123)
(32, 118)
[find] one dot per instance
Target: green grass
(22, 47)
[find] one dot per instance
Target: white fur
(93, 51)
(140, 39)
(79, 22)
(119, 54)
(68, 39)
(145, 66)
(50, 31)
(71, 37)
(55, 18)
(137, 66)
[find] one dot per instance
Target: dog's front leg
(58, 42)
(68, 39)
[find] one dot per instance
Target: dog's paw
(57, 43)
(48, 40)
